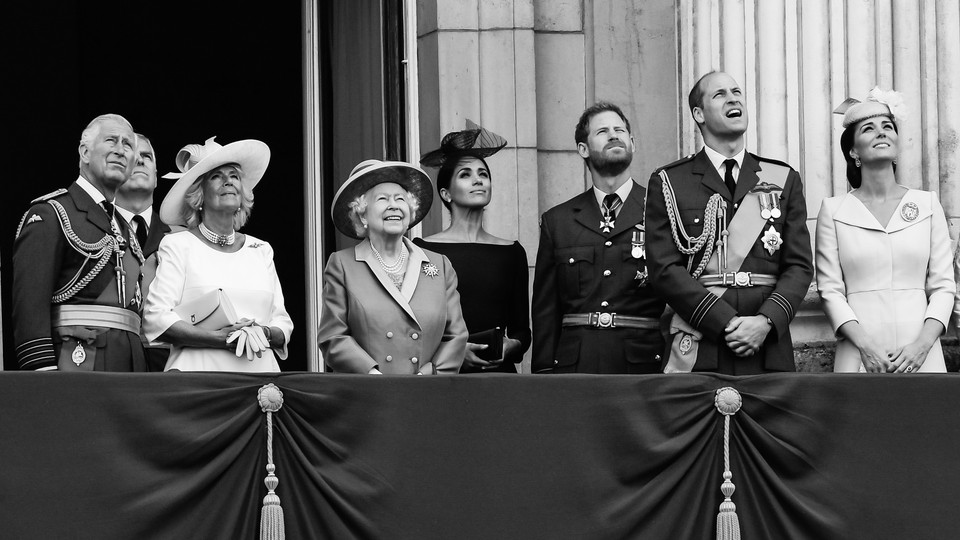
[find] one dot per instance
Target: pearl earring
(856, 161)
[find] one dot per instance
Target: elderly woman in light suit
(388, 306)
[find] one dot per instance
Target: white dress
(189, 268)
(889, 279)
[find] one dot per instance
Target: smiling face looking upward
(388, 211)
(875, 140)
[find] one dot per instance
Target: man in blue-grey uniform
(728, 244)
(76, 265)
(593, 311)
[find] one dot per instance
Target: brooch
(430, 269)
(909, 211)
(772, 240)
(255, 245)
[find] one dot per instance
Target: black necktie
(108, 207)
(611, 203)
(141, 229)
(728, 176)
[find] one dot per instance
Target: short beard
(609, 166)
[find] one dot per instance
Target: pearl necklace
(219, 239)
(397, 266)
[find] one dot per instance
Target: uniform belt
(95, 315)
(599, 319)
(737, 280)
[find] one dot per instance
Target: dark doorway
(180, 72)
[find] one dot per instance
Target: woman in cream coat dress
(883, 255)
(388, 306)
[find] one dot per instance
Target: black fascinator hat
(475, 141)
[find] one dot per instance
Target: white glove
(250, 341)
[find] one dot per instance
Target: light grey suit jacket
(368, 322)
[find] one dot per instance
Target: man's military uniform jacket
(156, 356)
(581, 270)
(694, 180)
(46, 260)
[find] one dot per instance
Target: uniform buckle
(738, 279)
(604, 320)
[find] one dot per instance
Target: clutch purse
(211, 311)
(493, 338)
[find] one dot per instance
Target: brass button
(606, 272)
(389, 358)
(736, 205)
(556, 361)
(608, 243)
(571, 260)
(696, 220)
(604, 303)
(415, 335)
(414, 359)
(657, 357)
(389, 334)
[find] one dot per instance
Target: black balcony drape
(91, 455)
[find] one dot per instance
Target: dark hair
(695, 99)
(846, 144)
(583, 125)
(445, 174)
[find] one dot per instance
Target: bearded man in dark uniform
(76, 265)
(593, 311)
(728, 244)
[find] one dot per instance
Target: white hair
(358, 209)
(93, 129)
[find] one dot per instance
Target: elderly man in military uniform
(728, 244)
(593, 311)
(135, 204)
(76, 265)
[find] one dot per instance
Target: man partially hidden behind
(593, 311)
(76, 265)
(135, 204)
(728, 244)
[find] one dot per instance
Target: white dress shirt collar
(717, 159)
(623, 191)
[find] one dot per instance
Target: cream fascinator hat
(194, 160)
(878, 103)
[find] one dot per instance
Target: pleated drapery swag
(177, 455)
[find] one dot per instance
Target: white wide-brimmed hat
(371, 172)
(194, 160)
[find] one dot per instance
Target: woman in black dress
(492, 271)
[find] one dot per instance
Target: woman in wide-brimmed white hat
(211, 271)
(388, 305)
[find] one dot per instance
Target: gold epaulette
(677, 162)
(49, 196)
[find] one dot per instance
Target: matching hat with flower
(878, 103)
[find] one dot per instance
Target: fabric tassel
(271, 516)
(728, 402)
